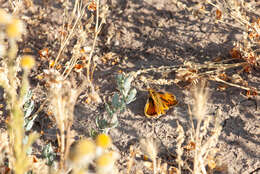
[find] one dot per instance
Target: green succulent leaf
(127, 85)
(28, 109)
(115, 100)
(119, 79)
(101, 123)
(109, 110)
(27, 97)
(131, 96)
(28, 106)
(28, 123)
(118, 104)
(49, 154)
(122, 107)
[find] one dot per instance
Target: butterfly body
(158, 103)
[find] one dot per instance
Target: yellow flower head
(83, 152)
(27, 62)
(105, 160)
(105, 163)
(15, 28)
(104, 141)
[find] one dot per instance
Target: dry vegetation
(66, 78)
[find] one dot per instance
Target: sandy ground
(155, 33)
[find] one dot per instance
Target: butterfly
(158, 103)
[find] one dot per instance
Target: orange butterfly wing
(168, 99)
(158, 103)
(150, 108)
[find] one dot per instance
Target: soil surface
(145, 34)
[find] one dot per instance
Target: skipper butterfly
(158, 103)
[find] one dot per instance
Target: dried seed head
(201, 99)
(149, 147)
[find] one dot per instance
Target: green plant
(118, 104)
(28, 108)
(49, 154)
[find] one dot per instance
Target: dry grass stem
(203, 144)
(77, 14)
(62, 97)
(179, 151)
(149, 148)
